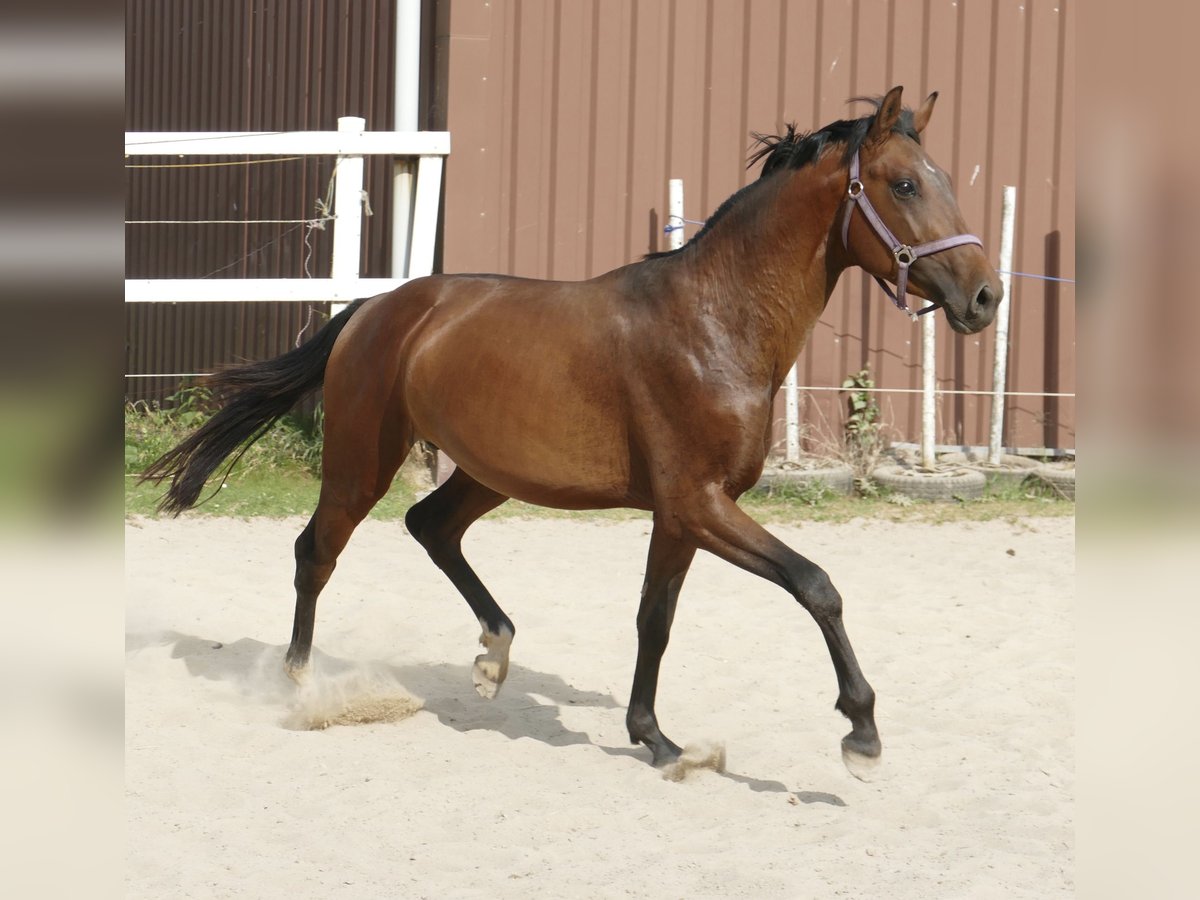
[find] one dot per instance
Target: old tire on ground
(1011, 472)
(957, 484)
(1060, 478)
(838, 478)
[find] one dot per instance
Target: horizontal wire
(209, 165)
(228, 221)
(1042, 277)
(209, 137)
(854, 390)
(878, 390)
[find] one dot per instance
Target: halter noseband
(904, 254)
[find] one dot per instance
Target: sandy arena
(386, 775)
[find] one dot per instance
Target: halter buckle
(856, 188)
(905, 255)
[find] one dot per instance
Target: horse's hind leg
(666, 567)
(438, 522)
(357, 470)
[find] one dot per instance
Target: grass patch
(841, 508)
(273, 493)
(279, 476)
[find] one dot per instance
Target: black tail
(255, 397)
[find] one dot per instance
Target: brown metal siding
(232, 65)
(569, 118)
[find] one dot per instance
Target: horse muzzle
(970, 313)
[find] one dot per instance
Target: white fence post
(928, 391)
(404, 118)
(791, 405)
(425, 213)
(347, 211)
(675, 213)
(1000, 363)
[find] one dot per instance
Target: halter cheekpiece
(904, 254)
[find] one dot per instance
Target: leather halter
(904, 254)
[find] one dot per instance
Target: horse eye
(904, 188)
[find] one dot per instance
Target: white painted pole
(1008, 218)
(425, 203)
(675, 212)
(347, 210)
(928, 390)
(791, 399)
(405, 118)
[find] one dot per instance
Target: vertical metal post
(928, 390)
(405, 118)
(1008, 217)
(675, 212)
(425, 203)
(791, 398)
(347, 210)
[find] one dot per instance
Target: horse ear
(886, 116)
(921, 116)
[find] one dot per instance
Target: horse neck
(766, 269)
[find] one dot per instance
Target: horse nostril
(987, 298)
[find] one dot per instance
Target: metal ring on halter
(856, 188)
(905, 255)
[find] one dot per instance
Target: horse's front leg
(714, 521)
(666, 566)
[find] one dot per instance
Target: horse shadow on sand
(529, 706)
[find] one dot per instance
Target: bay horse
(648, 387)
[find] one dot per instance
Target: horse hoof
(663, 752)
(486, 676)
(295, 666)
(863, 766)
(491, 668)
(665, 756)
(703, 755)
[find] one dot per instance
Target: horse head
(911, 230)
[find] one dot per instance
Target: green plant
(862, 420)
(866, 487)
(862, 429)
(190, 407)
(153, 429)
(812, 493)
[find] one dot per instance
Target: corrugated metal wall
(569, 117)
(233, 65)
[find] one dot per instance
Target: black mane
(794, 150)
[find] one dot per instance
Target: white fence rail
(350, 143)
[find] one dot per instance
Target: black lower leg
(311, 577)
(856, 699)
(438, 522)
(720, 526)
(641, 719)
(665, 570)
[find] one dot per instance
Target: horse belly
(539, 420)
